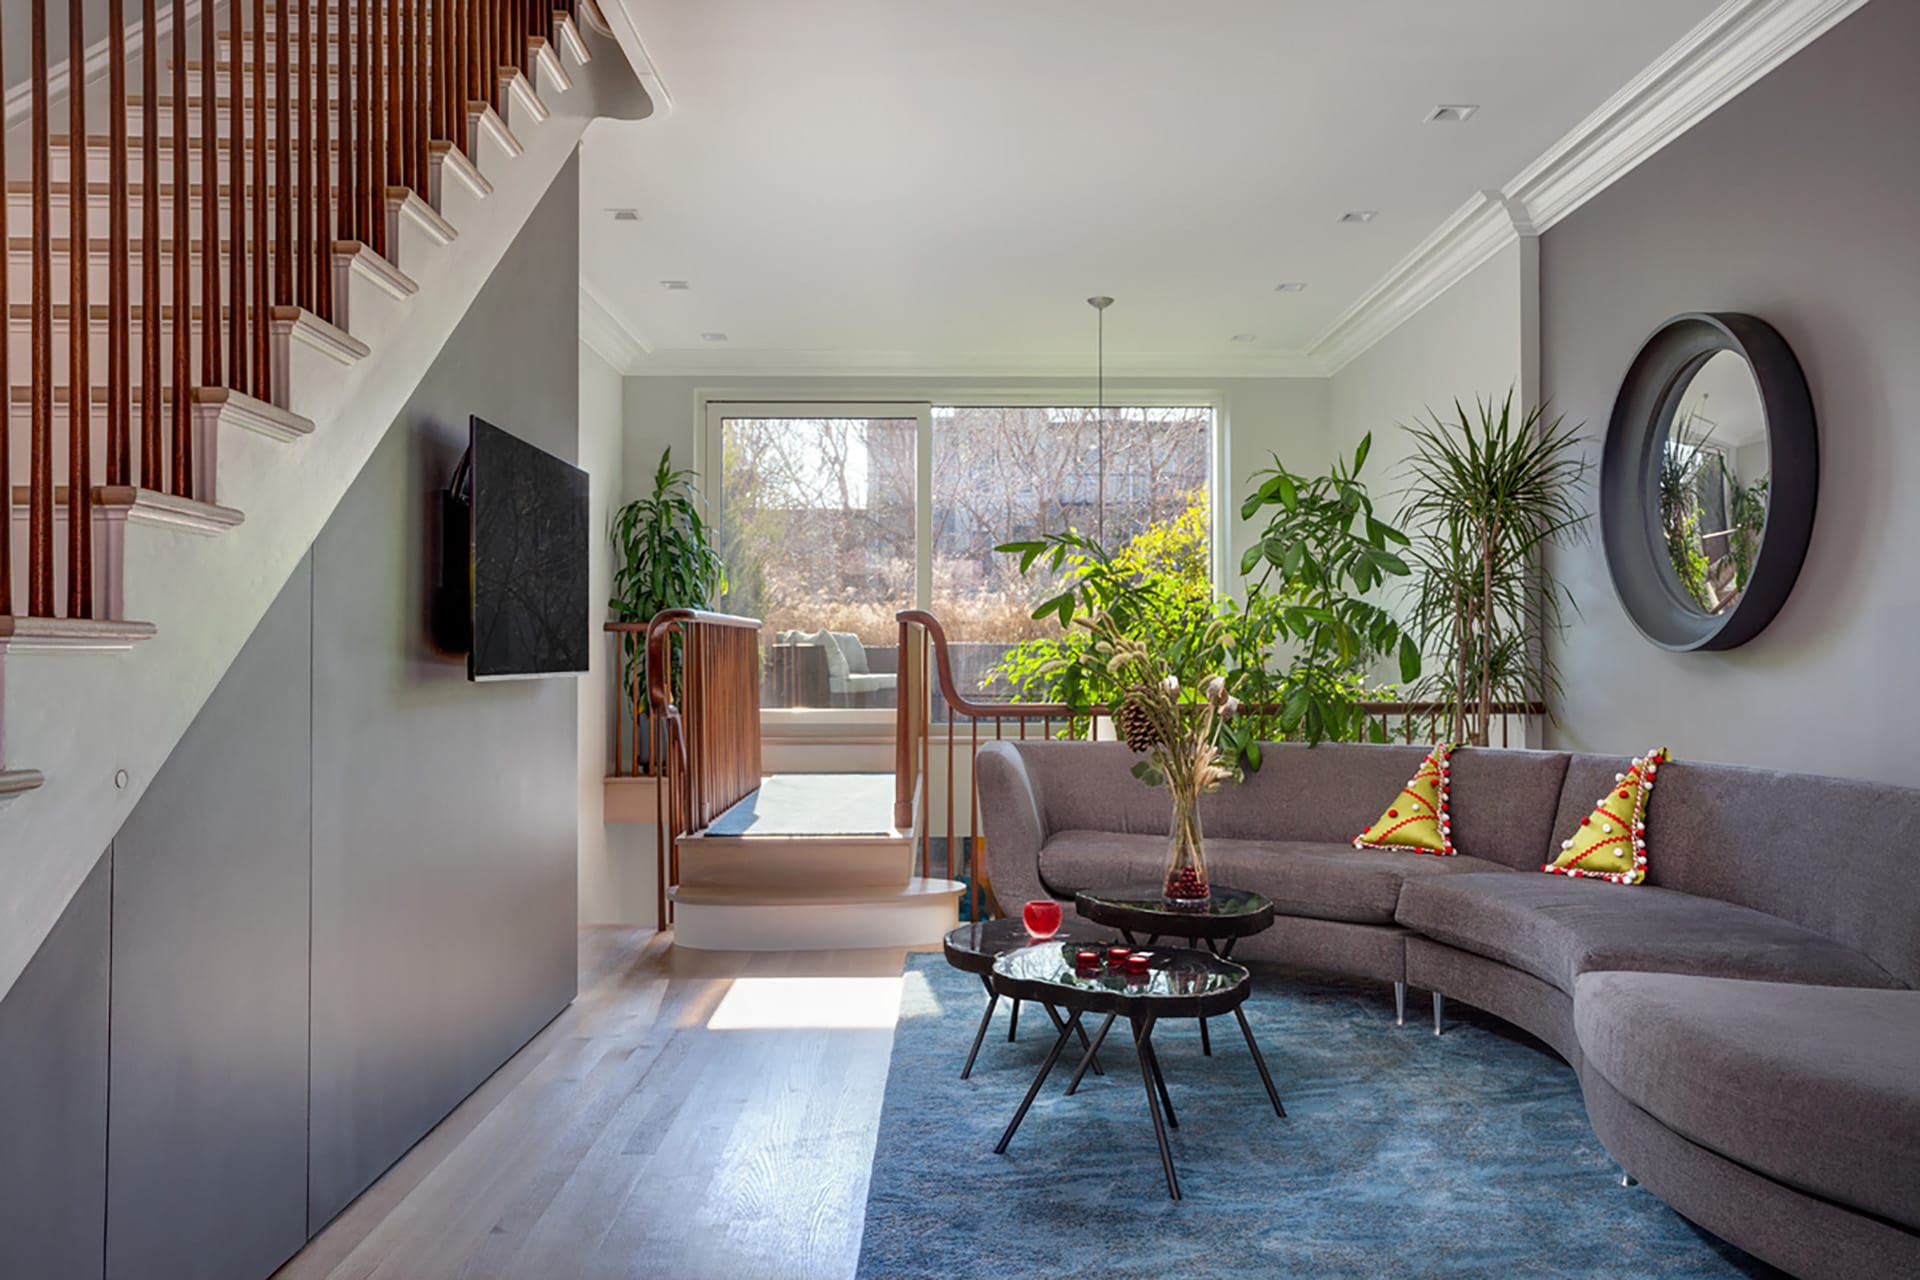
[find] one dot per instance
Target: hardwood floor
(633, 1139)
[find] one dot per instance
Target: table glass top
(1170, 972)
(1146, 898)
(991, 937)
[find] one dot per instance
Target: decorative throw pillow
(1611, 842)
(1417, 821)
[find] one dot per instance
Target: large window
(826, 533)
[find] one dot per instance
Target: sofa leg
(1628, 1180)
(1439, 1013)
(1399, 1004)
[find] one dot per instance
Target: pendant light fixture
(1100, 305)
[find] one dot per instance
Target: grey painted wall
(1799, 202)
(53, 1096)
(347, 898)
(444, 836)
(207, 1165)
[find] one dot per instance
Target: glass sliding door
(818, 526)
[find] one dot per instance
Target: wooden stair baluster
(323, 281)
(349, 228)
(181, 419)
(152, 457)
(212, 334)
(376, 140)
(6, 421)
(239, 339)
(262, 251)
(80, 343)
(40, 442)
(303, 292)
(119, 306)
(285, 192)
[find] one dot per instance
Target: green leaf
(1409, 660)
(1289, 494)
(1360, 454)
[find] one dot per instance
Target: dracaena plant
(1489, 490)
(665, 559)
(1322, 552)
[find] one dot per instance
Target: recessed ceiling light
(624, 215)
(713, 337)
(1244, 337)
(1452, 112)
(675, 285)
(1289, 286)
(1360, 215)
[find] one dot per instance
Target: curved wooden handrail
(966, 706)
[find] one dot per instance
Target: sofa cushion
(1557, 929)
(1812, 1086)
(1319, 881)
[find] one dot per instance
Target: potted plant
(664, 559)
(1487, 493)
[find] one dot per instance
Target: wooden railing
(702, 720)
(930, 697)
(335, 111)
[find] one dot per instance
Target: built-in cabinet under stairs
(810, 861)
(228, 262)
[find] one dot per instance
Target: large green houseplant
(665, 558)
(1488, 491)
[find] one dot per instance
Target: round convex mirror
(1708, 481)
(1713, 482)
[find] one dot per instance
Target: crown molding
(1733, 47)
(610, 337)
(1475, 232)
(684, 362)
(1730, 49)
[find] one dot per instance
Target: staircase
(229, 262)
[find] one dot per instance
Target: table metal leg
(1160, 1083)
(1059, 1022)
(1260, 1062)
(986, 1019)
(1033, 1091)
(1206, 1041)
(1142, 1029)
(1099, 1038)
(1013, 1023)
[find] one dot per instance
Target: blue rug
(1402, 1155)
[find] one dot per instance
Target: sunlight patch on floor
(772, 1004)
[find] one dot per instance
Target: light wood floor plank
(629, 1139)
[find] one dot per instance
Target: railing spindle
(323, 251)
(40, 440)
(283, 185)
(350, 76)
(152, 462)
(239, 331)
(211, 332)
(375, 116)
(265, 185)
(119, 305)
(80, 341)
(303, 246)
(388, 36)
(6, 421)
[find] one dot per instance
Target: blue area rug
(1402, 1155)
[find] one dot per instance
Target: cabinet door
(207, 1150)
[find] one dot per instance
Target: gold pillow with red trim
(1417, 821)
(1611, 842)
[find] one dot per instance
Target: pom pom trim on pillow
(1631, 792)
(1426, 795)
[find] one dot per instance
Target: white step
(920, 914)
(796, 863)
(216, 412)
(113, 509)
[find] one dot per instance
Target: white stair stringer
(82, 718)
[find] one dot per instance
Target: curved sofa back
(1830, 854)
(1503, 801)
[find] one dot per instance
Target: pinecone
(1135, 725)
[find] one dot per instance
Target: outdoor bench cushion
(1320, 881)
(1557, 929)
(1813, 1086)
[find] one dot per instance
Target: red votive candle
(1118, 955)
(1137, 963)
(1086, 959)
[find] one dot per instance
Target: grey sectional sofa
(1745, 1025)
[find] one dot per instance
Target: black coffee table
(972, 948)
(1178, 983)
(1136, 910)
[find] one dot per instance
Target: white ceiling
(937, 185)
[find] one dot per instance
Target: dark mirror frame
(1629, 479)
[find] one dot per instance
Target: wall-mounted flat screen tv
(517, 516)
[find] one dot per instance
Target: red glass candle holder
(1086, 959)
(1117, 956)
(1137, 963)
(1042, 918)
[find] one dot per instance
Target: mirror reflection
(1714, 476)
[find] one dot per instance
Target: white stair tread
(812, 804)
(915, 891)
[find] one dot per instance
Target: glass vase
(1186, 887)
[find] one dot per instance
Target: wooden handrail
(924, 653)
(703, 720)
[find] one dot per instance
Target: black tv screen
(526, 558)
